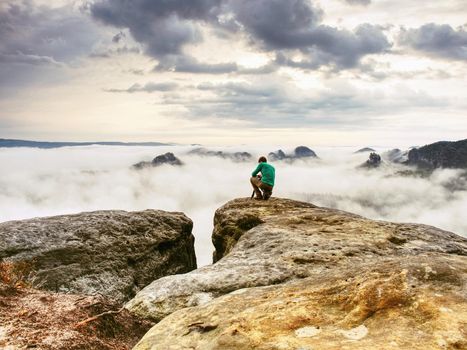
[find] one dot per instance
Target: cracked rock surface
(290, 275)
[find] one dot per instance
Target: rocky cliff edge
(291, 275)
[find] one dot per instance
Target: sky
(332, 73)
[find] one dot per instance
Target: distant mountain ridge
(443, 154)
(10, 143)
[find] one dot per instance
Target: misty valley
(196, 181)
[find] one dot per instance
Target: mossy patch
(247, 222)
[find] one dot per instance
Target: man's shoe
(266, 196)
(259, 198)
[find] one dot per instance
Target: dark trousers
(258, 185)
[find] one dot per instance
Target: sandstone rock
(282, 241)
(440, 155)
(391, 304)
(113, 253)
(331, 280)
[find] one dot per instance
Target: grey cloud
(165, 27)
(117, 37)
(299, 29)
(358, 2)
(136, 71)
(280, 104)
(271, 105)
(266, 69)
(116, 51)
(35, 60)
(240, 89)
(59, 33)
(278, 24)
(36, 40)
(188, 64)
(339, 48)
(439, 40)
(345, 48)
(148, 87)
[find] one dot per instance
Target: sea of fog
(39, 182)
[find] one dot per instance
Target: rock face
(291, 275)
(374, 161)
(235, 156)
(167, 158)
(299, 152)
(112, 253)
(440, 155)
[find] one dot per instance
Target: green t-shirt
(267, 171)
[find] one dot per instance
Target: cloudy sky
(327, 72)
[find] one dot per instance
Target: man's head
(262, 160)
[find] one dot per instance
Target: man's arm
(257, 170)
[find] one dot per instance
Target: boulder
(112, 253)
(440, 155)
(294, 265)
(167, 158)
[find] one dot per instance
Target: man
(265, 181)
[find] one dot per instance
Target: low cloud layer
(49, 182)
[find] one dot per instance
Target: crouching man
(264, 183)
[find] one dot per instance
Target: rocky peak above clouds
(167, 158)
(442, 154)
(298, 153)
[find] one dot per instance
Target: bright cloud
(69, 180)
